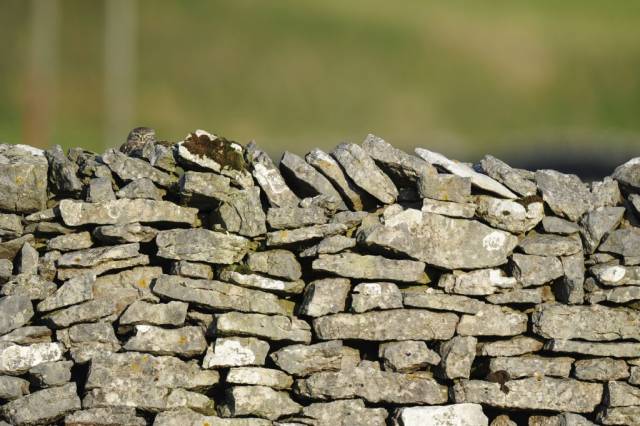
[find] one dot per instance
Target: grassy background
(517, 78)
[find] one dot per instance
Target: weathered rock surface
(380, 295)
(186, 341)
(15, 311)
(342, 412)
(532, 366)
(457, 357)
(406, 356)
(259, 401)
(277, 263)
(201, 245)
(352, 265)
(23, 179)
(42, 407)
(493, 321)
(565, 194)
(128, 169)
(274, 327)
(17, 359)
(465, 414)
(235, 352)
(125, 211)
(505, 174)
(323, 297)
(303, 360)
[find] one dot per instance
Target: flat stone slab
(275, 327)
(352, 265)
(259, 401)
(374, 386)
(186, 341)
(440, 241)
(17, 359)
(201, 245)
(541, 393)
(191, 418)
(235, 352)
(465, 414)
(396, 324)
(303, 360)
(42, 407)
(594, 323)
(615, 350)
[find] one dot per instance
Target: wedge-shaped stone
(462, 170)
(628, 174)
(396, 324)
(550, 245)
(27, 335)
(141, 188)
(431, 298)
(269, 179)
(274, 327)
(140, 312)
(449, 208)
(186, 341)
(109, 416)
(23, 179)
(15, 311)
(456, 414)
(565, 194)
(519, 345)
(258, 401)
(64, 274)
(625, 242)
(134, 367)
(597, 223)
(596, 322)
(374, 386)
(129, 168)
(361, 168)
(42, 407)
(300, 235)
(535, 393)
(505, 174)
(509, 215)
(440, 241)
(125, 211)
(235, 352)
(201, 245)
(258, 376)
(218, 296)
(615, 350)
(532, 366)
(302, 360)
(352, 265)
(493, 321)
(407, 355)
(90, 311)
(124, 288)
(51, 373)
(556, 225)
(276, 263)
(186, 417)
(262, 283)
(348, 412)
(17, 359)
(532, 270)
(74, 291)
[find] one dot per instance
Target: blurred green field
(462, 77)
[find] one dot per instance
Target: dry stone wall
(199, 283)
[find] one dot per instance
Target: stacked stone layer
(201, 283)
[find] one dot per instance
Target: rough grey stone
(10, 225)
(440, 241)
(70, 242)
(32, 286)
(27, 335)
(518, 345)
(329, 245)
(217, 295)
(621, 394)
(89, 311)
(372, 385)
(42, 407)
(506, 175)
(476, 283)
(52, 373)
(616, 275)
(141, 188)
(566, 195)
(550, 245)
(186, 341)
(531, 296)
(306, 180)
(457, 356)
(619, 415)
(276, 263)
(133, 367)
(15, 311)
(203, 189)
(380, 295)
(275, 327)
(128, 169)
(301, 235)
(352, 265)
(571, 289)
(9, 249)
(445, 187)
(532, 366)
(201, 245)
(396, 324)
(456, 414)
(556, 225)
(406, 356)
(532, 393)
(615, 350)
(72, 292)
(628, 174)
(235, 352)
(122, 234)
(100, 190)
(595, 323)
(270, 180)
(27, 261)
(507, 214)
(95, 256)
(326, 296)
(343, 412)
(303, 360)
(493, 321)
(355, 197)
(262, 283)
(601, 369)
(13, 388)
(87, 341)
(141, 312)
(597, 223)
(464, 171)
(625, 242)
(258, 376)
(449, 208)
(64, 274)
(185, 417)
(258, 401)
(292, 217)
(125, 211)
(241, 212)
(23, 179)
(108, 416)
(606, 193)
(430, 298)
(192, 269)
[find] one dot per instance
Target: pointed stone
(508, 176)
(269, 179)
(72, 292)
(625, 242)
(457, 356)
(302, 235)
(122, 234)
(241, 212)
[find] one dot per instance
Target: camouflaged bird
(136, 140)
